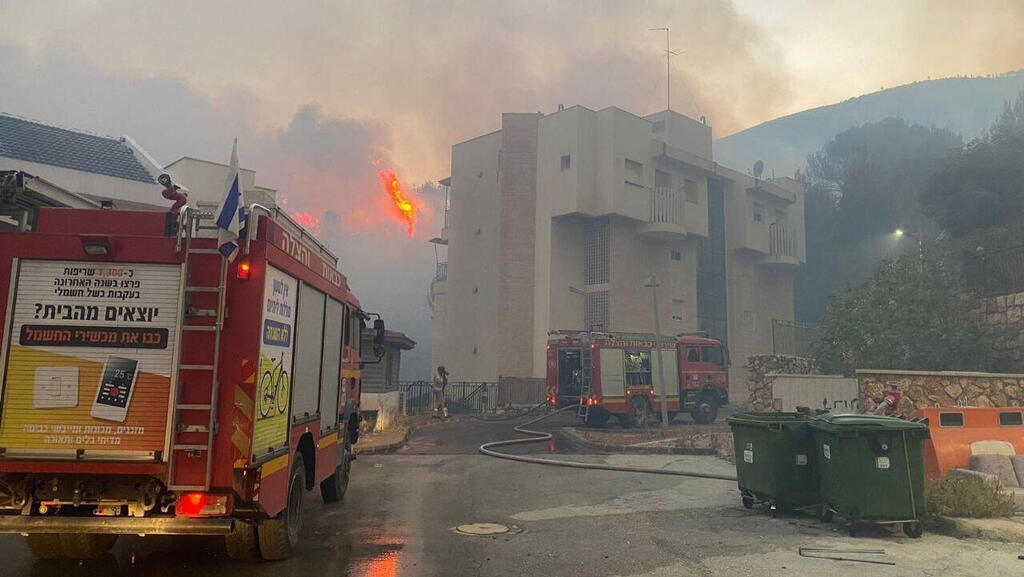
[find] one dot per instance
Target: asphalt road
(398, 516)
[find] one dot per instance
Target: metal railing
(792, 338)
(996, 272)
(442, 271)
(782, 240)
(460, 397)
(667, 205)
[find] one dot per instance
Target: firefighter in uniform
(437, 387)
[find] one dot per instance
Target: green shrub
(967, 496)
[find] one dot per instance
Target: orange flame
(405, 209)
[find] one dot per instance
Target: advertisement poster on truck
(90, 356)
(277, 343)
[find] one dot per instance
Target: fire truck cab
(607, 374)
(150, 386)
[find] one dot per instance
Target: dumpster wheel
(541, 436)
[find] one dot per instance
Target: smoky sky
(323, 95)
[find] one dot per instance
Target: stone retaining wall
(761, 367)
(941, 389)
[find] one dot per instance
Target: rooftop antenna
(669, 53)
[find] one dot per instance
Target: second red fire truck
(149, 386)
(616, 374)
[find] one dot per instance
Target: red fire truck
(152, 387)
(609, 374)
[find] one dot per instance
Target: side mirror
(379, 332)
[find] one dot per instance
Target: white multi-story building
(599, 201)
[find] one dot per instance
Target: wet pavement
(401, 509)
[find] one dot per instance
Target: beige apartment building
(555, 222)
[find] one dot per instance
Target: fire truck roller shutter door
(671, 373)
(330, 373)
(309, 345)
(613, 381)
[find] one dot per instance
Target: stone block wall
(761, 367)
(941, 389)
(1005, 311)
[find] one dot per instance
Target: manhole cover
(486, 529)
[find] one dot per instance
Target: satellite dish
(758, 168)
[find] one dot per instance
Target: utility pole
(653, 284)
(669, 53)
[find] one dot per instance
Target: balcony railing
(667, 206)
(997, 272)
(782, 240)
(442, 271)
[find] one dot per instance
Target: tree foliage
(860, 187)
(912, 313)
(982, 184)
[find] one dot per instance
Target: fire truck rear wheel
(241, 542)
(332, 489)
(45, 545)
(706, 411)
(638, 414)
(278, 536)
(86, 545)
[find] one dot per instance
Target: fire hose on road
(540, 436)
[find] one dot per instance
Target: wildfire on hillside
(403, 206)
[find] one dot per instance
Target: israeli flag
(229, 212)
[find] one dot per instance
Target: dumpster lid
(852, 421)
(767, 419)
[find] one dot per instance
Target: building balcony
(782, 247)
(667, 213)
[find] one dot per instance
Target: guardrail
(667, 205)
(782, 240)
(996, 272)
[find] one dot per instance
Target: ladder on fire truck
(192, 378)
(586, 376)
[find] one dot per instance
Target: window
(690, 189)
(749, 321)
(692, 355)
(758, 212)
(1011, 419)
(951, 419)
(780, 215)
(677, 309)
(676, 255)
(658, 126)
(634, 173)
(638, 368)
(566, 162)
(713, 355)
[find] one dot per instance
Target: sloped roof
(45, 144)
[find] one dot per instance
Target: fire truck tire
(706, 411)
(638, 414)
(597, 418)
(45, 545)
(86, 545)
(332, 489)
(240, 543)
(278, 536)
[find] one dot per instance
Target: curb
(579, 440)
(380, 449)
(1001, 530)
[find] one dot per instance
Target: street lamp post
(653, 284)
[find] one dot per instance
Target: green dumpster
(775, 462)
(871, 468)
